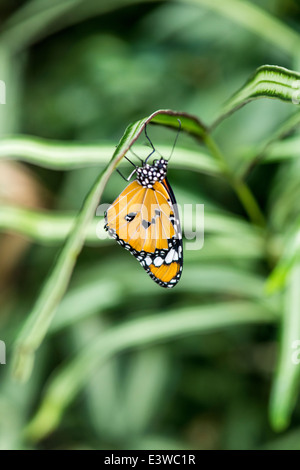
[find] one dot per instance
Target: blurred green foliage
(126, 364)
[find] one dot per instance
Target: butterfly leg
(129, 177)
(152, 146)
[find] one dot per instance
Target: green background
(126, 364)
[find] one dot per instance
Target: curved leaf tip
(268, 81)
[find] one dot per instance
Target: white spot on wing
(170, 256)
(158, 261)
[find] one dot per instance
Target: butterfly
(144, 220)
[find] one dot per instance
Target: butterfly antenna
(176, 138)
(152, 146)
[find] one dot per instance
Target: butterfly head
(148, 175)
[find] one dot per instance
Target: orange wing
(145, 221)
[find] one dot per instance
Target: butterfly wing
(167, 260)
(145, 221)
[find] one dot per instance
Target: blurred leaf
(98, 288)
(284, 197)
(67, 156)
(42, 226)
(284, 150)
(31, 19)
(103, 397)
(289, 258)
(164, 326)
(274, 148)
(257, 20)
(39, 18)
(96, 296)
(140, 410)
(16, 401)
(12, 76)
(52, 154)
(285, 386)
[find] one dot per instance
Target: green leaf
(36, 327)
(283, 150)
(43, 226)
(12, 76)
(269, 81)
(170, 118)
(34, 21)
(138, 414)
(274, 148)
(288, 259)
(164, 326)
(65, 156)
(256, 20)
(53, 154)
(285, 386)
(99, 288)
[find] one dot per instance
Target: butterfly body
(144, 220)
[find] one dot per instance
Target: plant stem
(241, 189)
(249, 202)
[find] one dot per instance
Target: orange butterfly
(144, 220)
